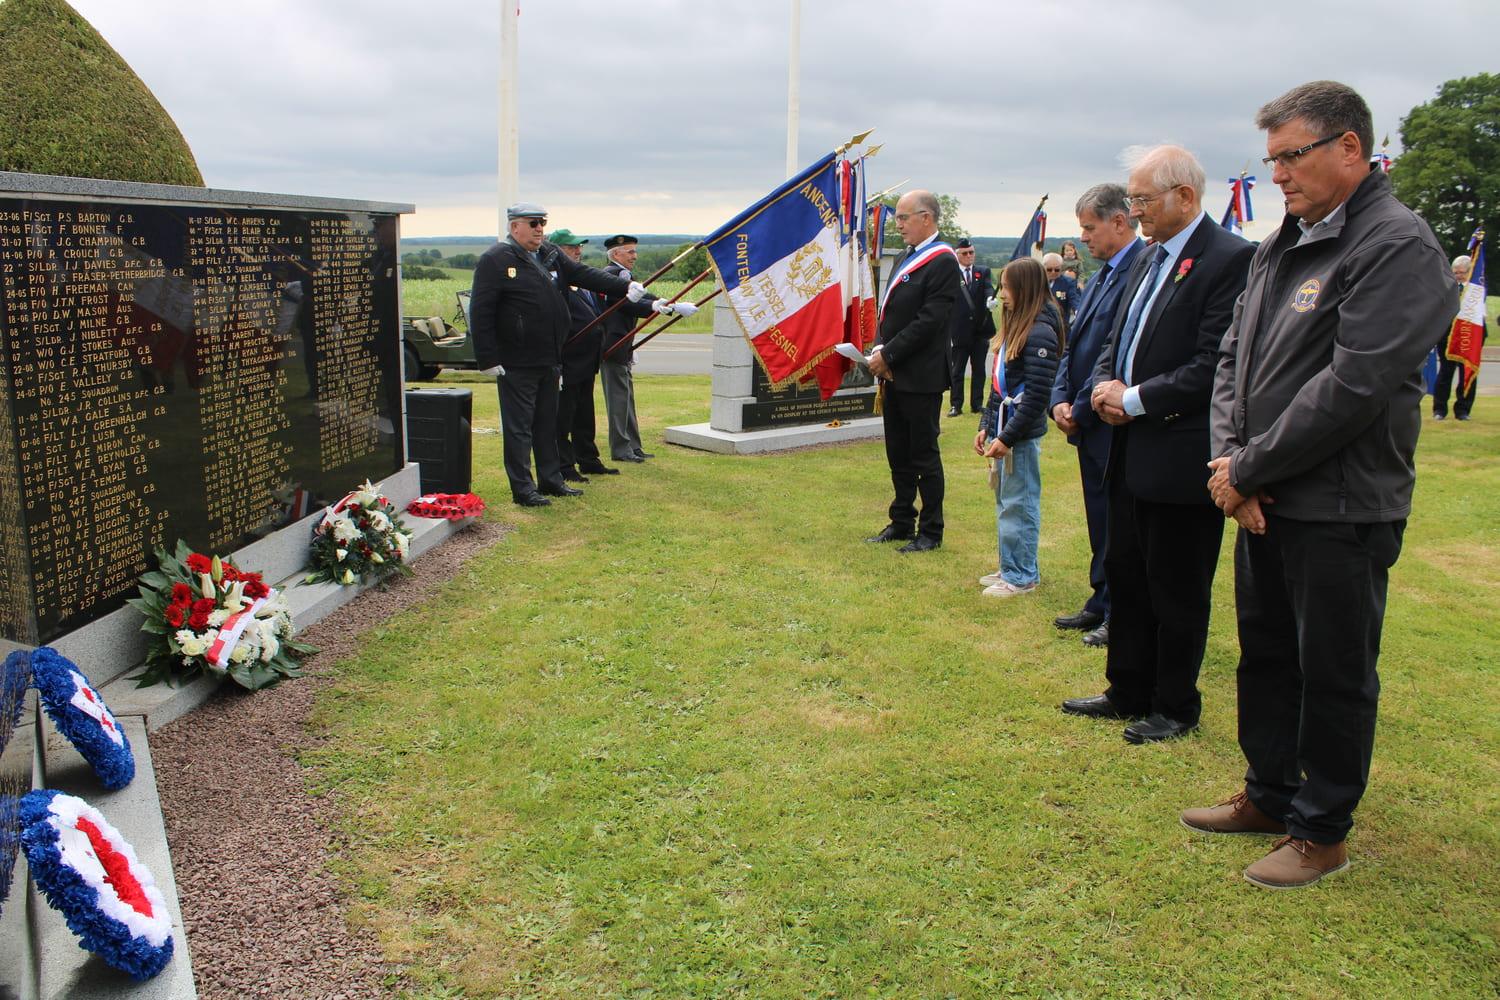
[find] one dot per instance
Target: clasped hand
(1108, 400)
(1246, 511)
(995, 448)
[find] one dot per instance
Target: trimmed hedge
(73, 107)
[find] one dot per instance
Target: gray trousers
(619, 404)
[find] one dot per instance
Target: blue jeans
(1018, 513)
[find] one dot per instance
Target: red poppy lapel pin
(1183, 269)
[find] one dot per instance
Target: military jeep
(430, 344)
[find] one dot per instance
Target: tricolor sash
(229, 634)
(1007, 402)
(907, 267)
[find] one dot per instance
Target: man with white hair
(1463, 401)
(1064, 287)
(1152, 384)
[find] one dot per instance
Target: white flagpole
(509, 181)
(794, 57)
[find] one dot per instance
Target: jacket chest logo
(1307, 295)
(510, 272)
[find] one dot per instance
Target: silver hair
(1052, 258)
(1170, 166)
(1104, 201)
(1463, 260)
(1326, 106)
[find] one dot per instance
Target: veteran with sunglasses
(519, 321)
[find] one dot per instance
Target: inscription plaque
(179, 371)
(802, 404)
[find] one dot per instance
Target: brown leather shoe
(1294, 863)
(1234, 815)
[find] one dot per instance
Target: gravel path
(250, 846)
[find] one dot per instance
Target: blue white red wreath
(15, 678)
(90, 874)
(81, 715)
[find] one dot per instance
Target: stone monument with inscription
(748, 416)
(180, 363)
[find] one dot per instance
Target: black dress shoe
(891, 533)
(598, 469)
(643, 455)
(1099, 637)
(1157, 727)
(532, 500)
(954, 411)
(629, 458)
(563, 490)
(920, 544)
(570, 476)
(1084, 619)
(1097, 707)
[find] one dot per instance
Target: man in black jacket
(519, 320)
(911, 360)
(580, 363)
(971, 325)
(1317, 407)
(619, 355)
(1152, 385)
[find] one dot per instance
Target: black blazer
(970, 319)
(619, 324)
(1166, 450)
(1086, 338)
(913, 334)
(580, 358)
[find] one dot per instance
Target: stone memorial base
(747, 416)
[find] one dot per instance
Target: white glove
(989, 303)
(636, 291)
(497, 370)
(684, 309)
(662, 306)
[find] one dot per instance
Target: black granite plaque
(174, 371)
(802, 404)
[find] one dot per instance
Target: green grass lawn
(689, 736)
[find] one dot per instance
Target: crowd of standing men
(1205, 378)
(544, 324)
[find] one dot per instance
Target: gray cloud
(676, 108)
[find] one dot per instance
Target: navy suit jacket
(1086, 337)
(1166, 450)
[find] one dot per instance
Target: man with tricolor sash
(911, 360)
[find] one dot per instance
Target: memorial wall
(172, 369)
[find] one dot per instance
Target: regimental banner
(781, 264)
(1466, 340)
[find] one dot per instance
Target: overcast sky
(667, 116)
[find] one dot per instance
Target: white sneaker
(990, 579)
(1003, 589)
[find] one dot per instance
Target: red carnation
(255, 590)
(199, 621)
(198, 563)
(230, 574)
(181, 593)
(203, 606)
(173, 615)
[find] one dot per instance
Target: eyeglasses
(1142, 200)
(536, 223)
(1290, 157)
(1053, 270)
(903, 216)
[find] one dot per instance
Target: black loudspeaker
(438, 437)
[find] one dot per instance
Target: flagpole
(793, 87)
(685, 289)
(508, 182)
(647, 338)
(621, 301)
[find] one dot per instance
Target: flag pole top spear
(855, 140)
(890, 190)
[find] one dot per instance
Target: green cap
(564, 238)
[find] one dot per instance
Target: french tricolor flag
(781, 264)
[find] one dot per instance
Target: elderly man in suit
(1109, 233)
(576, 425)
(1152, 384)
(911, 360)
(970, 325)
